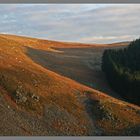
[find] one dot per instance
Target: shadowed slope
(80, 64)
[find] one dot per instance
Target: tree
(122, 69)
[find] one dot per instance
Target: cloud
(99, 23)
(109, 38)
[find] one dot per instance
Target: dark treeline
(122, 69)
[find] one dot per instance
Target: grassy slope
(64, 107)
(80, 64)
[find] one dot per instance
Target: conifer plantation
(122, 69)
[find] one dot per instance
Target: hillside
(42, 91)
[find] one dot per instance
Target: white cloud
(108, 38)
(101, 23)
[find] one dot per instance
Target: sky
(86, 23)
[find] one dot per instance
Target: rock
(35, 97)
(20, 95)
(35, 83)
(19, 87)
(20, 98)
(24, 99)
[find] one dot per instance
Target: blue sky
(88, 23)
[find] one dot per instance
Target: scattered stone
(24, 99)
(20, 95)
(35, 83)
(21, 99)
(35, 97)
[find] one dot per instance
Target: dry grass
(61, 106)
